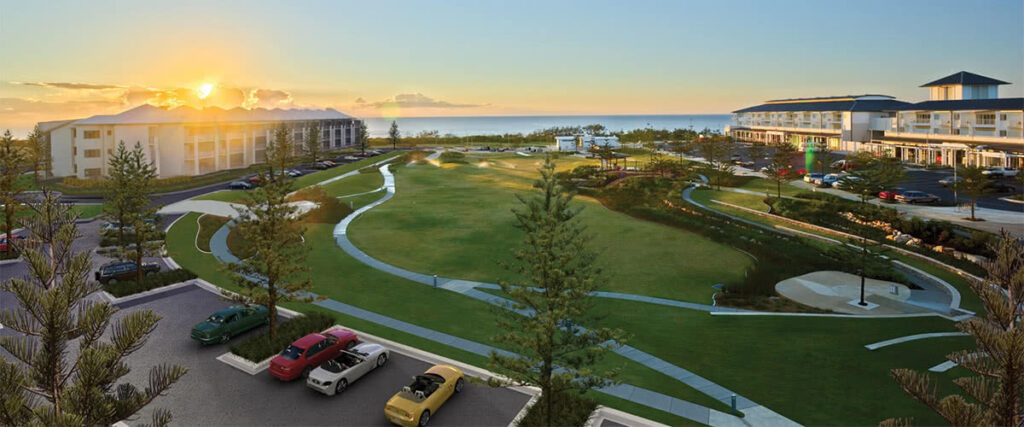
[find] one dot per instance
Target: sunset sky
(62, 60)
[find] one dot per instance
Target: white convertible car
(334, 375)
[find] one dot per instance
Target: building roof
(967, 104)
(965, 78)
(148, 114)
(831, 104)
(828, 98)
(50, 126)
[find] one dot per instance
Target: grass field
(355, 184)
(456, 221)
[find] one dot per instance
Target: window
(924, 117)
(956, 116)
(1002, 133)
(92, 154)
(109, 132)
(91, 134)
(987, 119)
(1002, 117)
(92, 173)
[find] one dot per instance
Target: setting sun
(204, 90)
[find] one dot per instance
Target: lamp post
(863, 262)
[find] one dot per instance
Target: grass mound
(329, 211)
(259, 346)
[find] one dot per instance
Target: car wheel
(342, 384)
(381, 360)
(305, 371)
(424, 418)
(224, 338)
(458, 385)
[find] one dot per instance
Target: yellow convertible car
(414, 405)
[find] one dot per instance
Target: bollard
(435, 281)
(734, 403)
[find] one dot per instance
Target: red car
(3, 241)
(890, 195)
(310, 351)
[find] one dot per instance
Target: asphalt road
(213, 393)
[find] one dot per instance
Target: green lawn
(456, 221)
(88, 211)
(340, 277)
(815, 371)
(230, 196)
(359, 183)
(208, 225)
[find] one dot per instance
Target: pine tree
(280, 151)
(128, 202)
(995, 396)
(558, 273)
(974, 184)
(12, 164)
(779, 168)
(40, 152)
(46, 386)
(271, 276)
(393, 135)
(362, 137)
(313, 143)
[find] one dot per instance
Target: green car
(231, 321)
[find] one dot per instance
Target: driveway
(213, 393)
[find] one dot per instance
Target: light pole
(863, 262)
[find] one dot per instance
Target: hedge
(259, 346)
(152, 281)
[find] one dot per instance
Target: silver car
(333, 376)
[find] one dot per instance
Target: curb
(243, 364)
(604, 413)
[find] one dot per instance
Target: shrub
(110, 238)
(151, 281)
(453, 157)
(568, 409)
(259, 346)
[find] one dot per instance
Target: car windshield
(216, 318)
(292, 352)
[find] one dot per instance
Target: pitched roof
(967, 104)
(845, 104)
(965, 78)
(148, 114)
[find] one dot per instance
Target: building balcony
(1016, 137)
(796, 129)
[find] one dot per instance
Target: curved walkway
(886, 343)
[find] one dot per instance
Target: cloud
(268, 98)
(418, 100)
(69, 85)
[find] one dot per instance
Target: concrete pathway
(886, 343)
(212, 207)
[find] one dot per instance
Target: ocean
(497, 125)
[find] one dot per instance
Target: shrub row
(259, 346)
(110, 238)
(152, 281)
(453, 157)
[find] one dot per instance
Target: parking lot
(213, 393)
(916, 179)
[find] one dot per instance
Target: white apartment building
(184, 140)
(963, 122)
(583, 143)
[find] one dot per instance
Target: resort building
(583, 143)
(185, 141)
(964, 122)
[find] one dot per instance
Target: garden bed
(208, 226)
(152, 281)
(259, 347)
